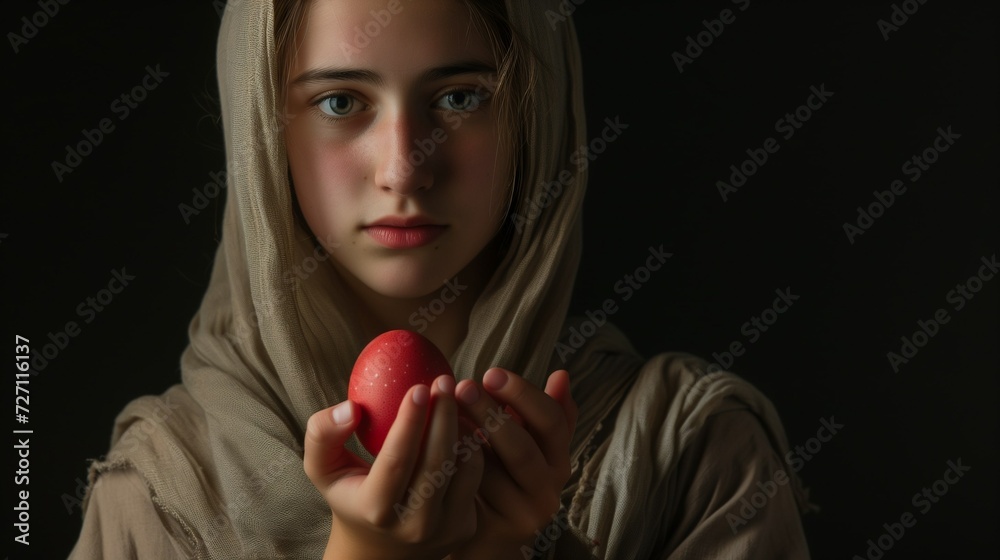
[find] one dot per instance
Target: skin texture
(492, 499)
(373, 163)
(487, 501)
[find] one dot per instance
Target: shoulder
(694, 411)
(695, 442)
(737, 497)
(684, 391)
(121, 521)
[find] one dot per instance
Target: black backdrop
(657, 184)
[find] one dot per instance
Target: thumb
(325, 458)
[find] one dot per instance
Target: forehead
(398, 37)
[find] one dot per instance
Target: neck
(442, 316)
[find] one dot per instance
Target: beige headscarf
(222, 452)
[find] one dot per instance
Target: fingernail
(471, 394)
(342, 413)
(495, 379)
(446, 384)
(420, 395)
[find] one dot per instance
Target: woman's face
(392, 141)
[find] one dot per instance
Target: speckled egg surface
(391, 363)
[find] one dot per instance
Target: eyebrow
(374, 78)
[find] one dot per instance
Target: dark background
(825, 356)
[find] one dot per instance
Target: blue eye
(337, 105)
(462, 100)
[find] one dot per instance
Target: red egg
(384, 371)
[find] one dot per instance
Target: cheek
(326, 179)
(481, 173)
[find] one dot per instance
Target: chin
(406, 282)
(400, 290)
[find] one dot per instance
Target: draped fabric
(220, 454)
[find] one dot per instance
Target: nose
(404, 162)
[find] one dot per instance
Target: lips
(398, 232)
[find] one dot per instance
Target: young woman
(388, 164)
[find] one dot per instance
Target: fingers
(499, 490)
(393, 468)
(444, 477)
(438, 462)
(459, 502)
(548, 420)
(422, 485)
(557, 387)
(516, 448)
(448, 462)
(324, 457)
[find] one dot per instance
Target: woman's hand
(417, 500)
(528, 462)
